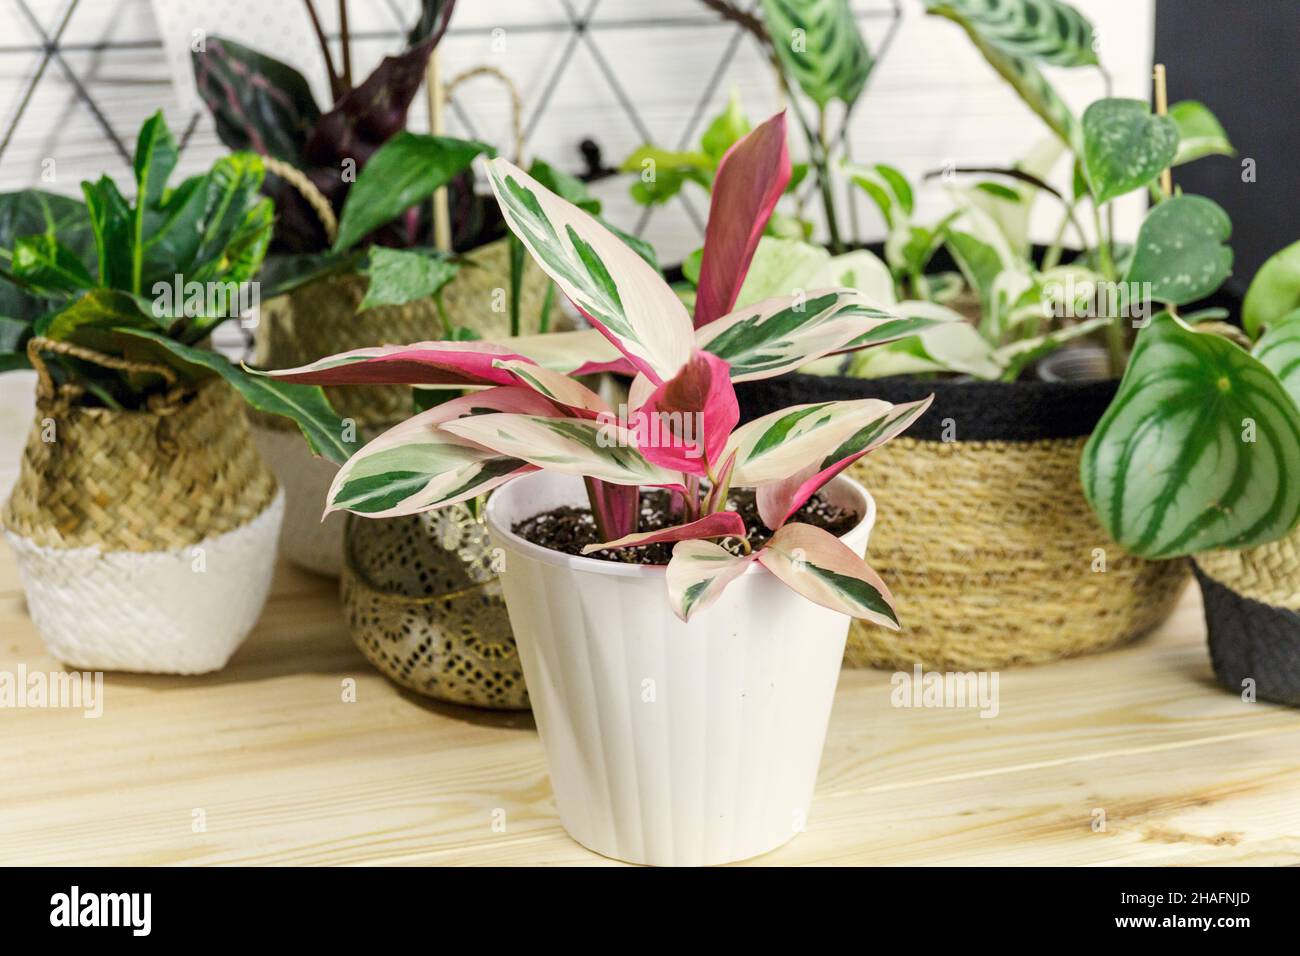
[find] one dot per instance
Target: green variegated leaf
(780, 267)
(47, 266)
(778, 335)
(1199, 132)
(825, 570)
(1180, 250)
(612, 285)
(554, 385)
(1199, 449)
(820, 47)
(1278, 350)
(1124, 146)
(698, 573)
(416, 467)
(399, 276)
(601, 450)
(785, 442)
(1017, 356)
(1274, 292)
(948, 346)
(1047, 31)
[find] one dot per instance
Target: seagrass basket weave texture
(425, 607)
(321, 318)
(989, 548)
(1269, 574)
(137, 480)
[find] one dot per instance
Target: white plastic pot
(183, 611)
(305, 540)
(670, 743)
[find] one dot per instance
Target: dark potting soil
(568, 529)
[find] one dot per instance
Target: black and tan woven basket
(983, 533)
(1252, 615)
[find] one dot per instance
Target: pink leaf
(614, 507)
(826, 571)
(422, 363)
(721, 524)
(685, 422)
(750, 179)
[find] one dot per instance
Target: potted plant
(143, 519)
(678, 586)
(1015, 395)
(1197, 455)
(358, 257)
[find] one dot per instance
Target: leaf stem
(336, 86)
(1114, 331)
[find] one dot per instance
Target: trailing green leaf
(1199, 132)
(1180, 250)
(1125, 147)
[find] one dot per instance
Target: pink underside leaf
(750, 179)
(422, 363)
(721, 524)
(684, 423)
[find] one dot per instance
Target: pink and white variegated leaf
(784, 443)
(584, 352)
(720, 524)
(778, 500)
(618, 291)
(557, 387)
(421, 363)
(750, 179)
(778, 335)
(576, 446)
(698, 573)
(416, 466)
(683, 423)
(826, 571)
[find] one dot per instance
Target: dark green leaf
(99, 309)
(406, 170)
(46, 265)
(110, 217)
(1125, 147)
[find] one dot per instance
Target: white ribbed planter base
(305, 540)
(151, 612)
(670, 743)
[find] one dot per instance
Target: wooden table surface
(279, 769)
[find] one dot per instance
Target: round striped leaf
(1199, 449)
(1279, 351)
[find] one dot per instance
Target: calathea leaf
(1274, 292)
(258, 102)
(720, 524)
(305, 405)
(398, 276)
(1047, 31)
(825, 570)
(406, 170)
(819, 45)
(1199, 449)
(1125, 147)
(1180, 250)
(698, 573)
(614, 287)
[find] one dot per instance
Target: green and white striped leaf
(825, 570)
(698, 573)
(1046, 31)
(783, 443)
(575, 446)
(613, 286)
(415, 467)
(1018, 70)
(1124, 146)
(820, 47)
(554, 385)
(951, 345)
(1274, 292)
(1200, 448)
(778, 335)
(1180, 249)
(1199, 132)
(1278, 350)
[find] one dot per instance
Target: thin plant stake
(441, 214)
(1162, 109)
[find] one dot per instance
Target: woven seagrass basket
(425, 607)
(1252, 614)
(983, 533)
(145, 539)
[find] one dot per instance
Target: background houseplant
(1023, 537)
(1198, 454)
(143, 519)
(570, 612)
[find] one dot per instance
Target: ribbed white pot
(183, 611)
(305, 540)
(670, 743)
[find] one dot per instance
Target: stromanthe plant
(146, 281)
(678, 429)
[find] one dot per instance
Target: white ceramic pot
(305, 540)
(183, 611)
(670, 743)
